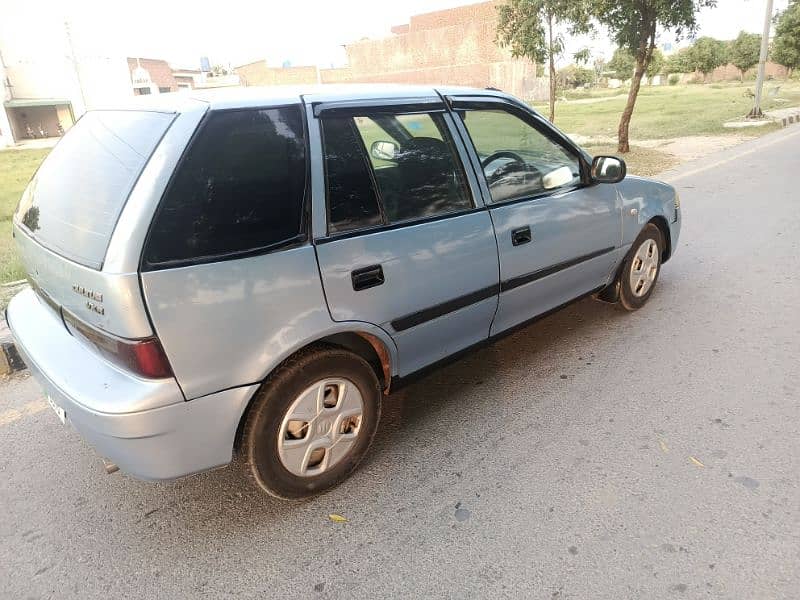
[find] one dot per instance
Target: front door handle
(521, 236)
(367, 277)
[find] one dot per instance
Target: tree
(622, 63)
(528, 28)
(744, 51)
(599, 66)
(582, 56)
(679, 62)
(656, 65)
(573, 76)
(707, 54)
(633, 25)
(786, 47)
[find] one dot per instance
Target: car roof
(247, 97)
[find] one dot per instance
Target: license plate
(60, 412)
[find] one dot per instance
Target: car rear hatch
(63, 226)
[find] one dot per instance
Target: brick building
(151, 76)
(447, 47)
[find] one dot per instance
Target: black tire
(259, 447)
(628, 298)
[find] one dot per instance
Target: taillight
(143, 357)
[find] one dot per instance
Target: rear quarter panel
(230, 323)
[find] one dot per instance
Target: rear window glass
(239, 190)
(72, 204)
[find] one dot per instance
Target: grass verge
(16, 169)
(673, 111)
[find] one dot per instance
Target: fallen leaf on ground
(664, 447)
(696, 462)
(337, 518)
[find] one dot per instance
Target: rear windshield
(72, 203)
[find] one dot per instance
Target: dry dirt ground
(683, 148)
(695, 146)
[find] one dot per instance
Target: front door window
(518, 160)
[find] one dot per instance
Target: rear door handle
(367, 277)
(521, 236)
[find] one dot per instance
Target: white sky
(300, 31)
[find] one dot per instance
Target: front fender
(644, 200)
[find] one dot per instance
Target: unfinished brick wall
(729, 71)
(446, 47)
(258, 73)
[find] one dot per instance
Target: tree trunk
(643, 56)
(552, 68)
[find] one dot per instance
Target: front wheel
(311, 423)
(640, 270)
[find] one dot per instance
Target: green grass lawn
(672, 111)
(16, 169)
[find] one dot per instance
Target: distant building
(208, 80)
(51, 78)
(451, 47)
(151, 76)
(447, 47)
(156, 76)
(187, 79)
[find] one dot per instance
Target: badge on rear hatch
(95, 298)
(87, 293)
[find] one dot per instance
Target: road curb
(790, 119)
(10, 360)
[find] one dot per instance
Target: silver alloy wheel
(320, 427)
(644, 268)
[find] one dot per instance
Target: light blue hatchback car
(250, 271)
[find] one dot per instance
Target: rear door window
(391, 168)
(239, 190)
(352, 200)
(72, 204)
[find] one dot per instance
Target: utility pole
(74, 60)
(762, 63)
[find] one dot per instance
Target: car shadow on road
(422, 419)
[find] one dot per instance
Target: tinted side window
(352, 201)
(423, 176)
(240, 188)
(417, 174)
(518, 160)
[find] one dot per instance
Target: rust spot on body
(383, 355)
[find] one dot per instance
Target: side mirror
(383, 150)
(608, 169)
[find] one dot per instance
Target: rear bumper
(144, 426)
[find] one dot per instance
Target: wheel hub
(644, 268)
(320, 427)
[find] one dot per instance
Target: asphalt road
(596, 454)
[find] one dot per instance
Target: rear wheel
(640, 270)
(312, 423)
